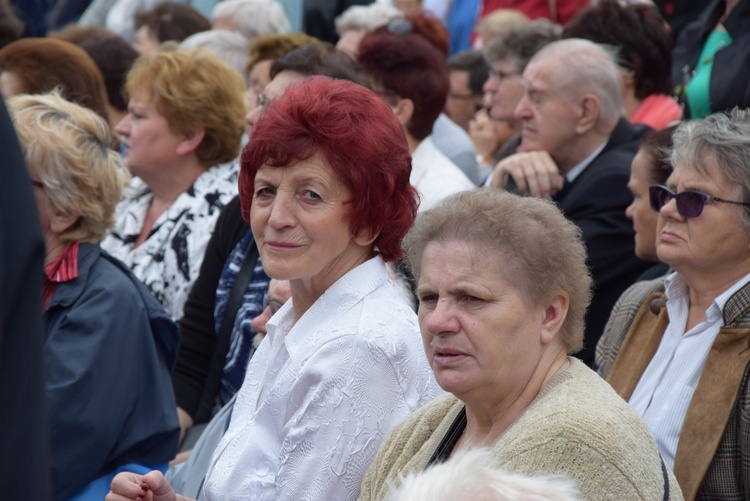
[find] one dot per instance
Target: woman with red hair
(325, 187)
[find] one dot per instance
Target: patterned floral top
(169, 260)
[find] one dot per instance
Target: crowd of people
(383, 250)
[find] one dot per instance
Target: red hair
(412, 68)
(362, 141)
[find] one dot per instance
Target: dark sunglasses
(690, 203)
(271, 303)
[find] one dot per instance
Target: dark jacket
(596, 201)
(730, 75)
(24, 468)
(711, 461)
(109, 350)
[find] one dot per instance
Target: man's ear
(555, 312)
(190, 141)
(404, 110)
(60, 221)
(588, 108)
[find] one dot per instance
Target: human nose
(251, 118)
(123, 126)
(490, 85)
(630, 210)
(523, 109)
(441, 320)
(670, 210)
(281, 211)
(258, 323)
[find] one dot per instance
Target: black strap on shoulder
(665, 475)
(224, 336)
(449, 441)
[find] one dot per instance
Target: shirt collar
(308, 331)
(573, 173)
(676, 288)
(65, 267)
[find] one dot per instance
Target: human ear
(190, 141)
(555, 312)
(588, 108)
(404, 110)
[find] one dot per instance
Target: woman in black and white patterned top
(181, 137)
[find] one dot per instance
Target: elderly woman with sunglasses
(677, 347)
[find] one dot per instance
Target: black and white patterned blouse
(169, 260)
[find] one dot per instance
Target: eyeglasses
(271, 303)
(690, 203)
(263, 101)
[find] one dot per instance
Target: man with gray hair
(507, 56)
(576, 148)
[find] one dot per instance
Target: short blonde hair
(68, 146)
(544, 252)
(194, 89)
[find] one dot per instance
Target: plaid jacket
(713, 454)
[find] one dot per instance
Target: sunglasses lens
(690, 203)
(659, 196)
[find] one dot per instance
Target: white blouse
(169, 260)
(320, 395)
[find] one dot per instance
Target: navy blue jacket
(109, 350)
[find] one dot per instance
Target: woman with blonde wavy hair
(109, 345)
(181, 136)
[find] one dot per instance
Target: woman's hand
(150, 487)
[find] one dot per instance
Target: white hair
(364, 18)
(586, 67)
(471, 476)
(254, 17)
(232, 47)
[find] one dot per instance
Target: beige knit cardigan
(577, 427)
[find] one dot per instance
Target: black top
(197, 324)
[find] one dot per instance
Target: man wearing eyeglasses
(677, 347)
(576, 148)
(507, 56)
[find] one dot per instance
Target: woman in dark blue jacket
(109, 345)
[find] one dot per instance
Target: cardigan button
(655, 306)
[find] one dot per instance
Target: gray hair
(586, 67)
(723, 137)
(521, 42)
(254, 17)
(232, 47)
(471, 476)
(366, 17)
(544, 251)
